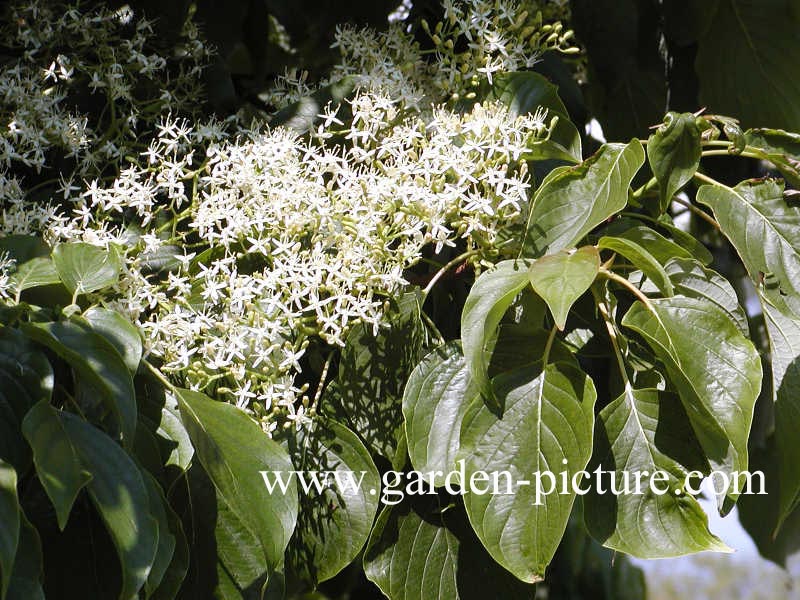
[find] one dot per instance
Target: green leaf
(25, 378)
(641, 259)
(524, 92)
(489, 298)
(35, 272)
(781, 148)
(120, 496)
(760, 512)
(58, 462)
(23, 248)
(85, 268)
(26, 576)
(10, 518)
(692, 279)
(763, 227)
(166, 540)
(417, 552)
(783, 332)
(575, 200)
(647, 431)
(714, 368)
(547, 420)
(332, 526)
(373, 369)
(434, 403)
(561, 278)
(673, 152)
(233, 450)
(120, 332)
(97, 361)
(661, 248)
(746, 63)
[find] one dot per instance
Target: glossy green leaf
(233, 450)
(561, 278)
(332, 526)
(434, 403)
(661, 248)
(673, 152)
(373, 369)
(547, 419)
(58, 462)
(34, 273)
(641, 259)
(489, 298)
(417, 552)
(120, 332)
(763, 227)
(749, 52)
(26, 576)
(171, 428)
(26, 377)
(96, 360)
(692, 279)
(714, 368)
(686, 240)
(645, 431)
(120, 496)
(10, 518)
(575, 200)
(524, 92)
(85, 268)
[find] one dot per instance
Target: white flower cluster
(281, 241)
(476, 39)
(101, 61)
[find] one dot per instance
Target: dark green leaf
(372, 372)
(641, 259)
(417, 552)
(546, 426)
(85, 268)
(120, 332)
(234, 450)
(673, 152)
(746, 63)
(23, 248)
(10, 518)
(714, 368)
(434, 402)
(120, 496)
(489, 298)
(26, 578)
(692, 279)
(524, 92)
(166, 540)
(573, 201)
(97, 361)
(561, 278)
(333, 525)
(763, 227)
(58, 462)
(25, 378)
(647, 431)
